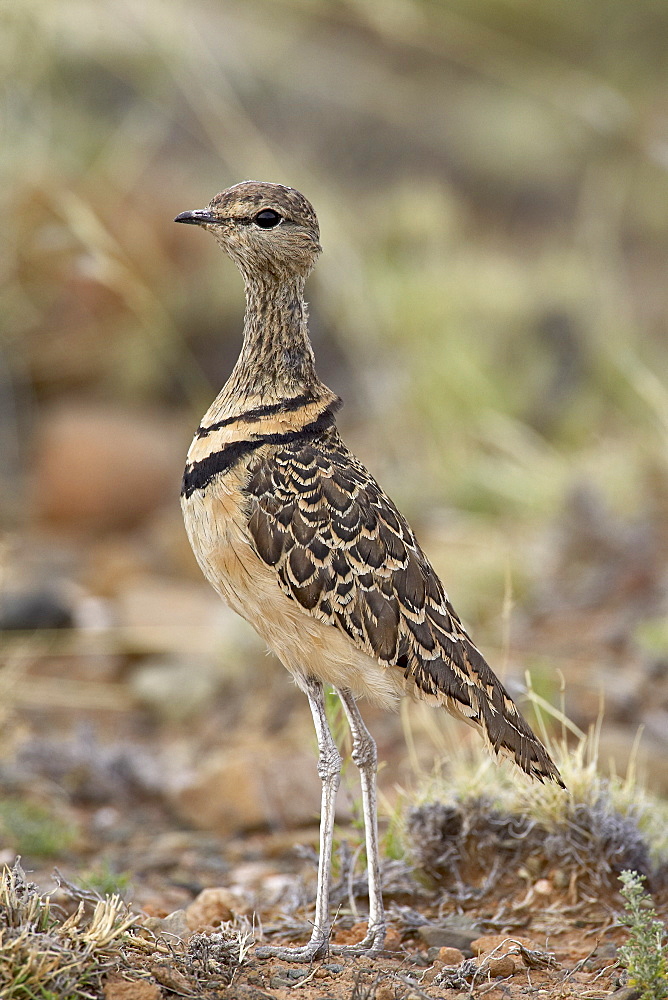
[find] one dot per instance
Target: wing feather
(346, 555)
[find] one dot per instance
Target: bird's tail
(463, 681)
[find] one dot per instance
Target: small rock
(606, 950)
(251, 787)
(86, 455)
(258, 884)
(392, 940)
(430, 974)
(543, 887)
(116, 988)
(278, 888)
(280, 980)
(605, 955)
(240, 991)
(44, 607)
(158, 615)
(211, 908)
(171, 978)
(450, 956)
(175, 687)
(503, 966)
(504, 942)
(435, 936)
(174, 924)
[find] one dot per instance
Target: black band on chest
(198, 475)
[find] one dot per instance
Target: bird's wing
(345, 554)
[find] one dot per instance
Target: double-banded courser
(299, 539)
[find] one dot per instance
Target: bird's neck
(276, 360)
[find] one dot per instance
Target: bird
(299, 539)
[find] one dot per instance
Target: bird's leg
(365, 756)
(329, 769)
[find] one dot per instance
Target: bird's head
(265, 228)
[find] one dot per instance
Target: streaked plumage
(299, 538)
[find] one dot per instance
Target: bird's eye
(267, 218)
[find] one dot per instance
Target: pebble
(250, 787)
(211, 908)
(86, 454)
(174, 924)
(503, 966)
(280, 980)
(605, 955)
(606, 950)
(504, 942)
(137, 989)
(441, 936)
(175, 687)
(244, 992)
(171, 978)
(450, 956)
(392, 940)
(430, 975)
(41, 608)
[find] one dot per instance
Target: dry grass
(473, 823)
(48, 955)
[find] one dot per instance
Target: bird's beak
(198, 217)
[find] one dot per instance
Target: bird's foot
(371, 944)
(317, 947)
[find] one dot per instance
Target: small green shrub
(644, 955)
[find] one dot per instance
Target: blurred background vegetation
(491, 178)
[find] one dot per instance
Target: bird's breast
(216, 520)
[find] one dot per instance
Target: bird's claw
(372, 943)
(317, 948)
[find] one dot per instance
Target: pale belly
(216, 528)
